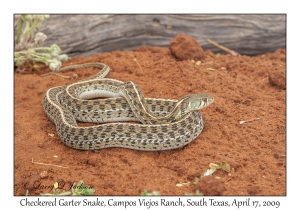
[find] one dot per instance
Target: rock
(210, 186)
(278, 79)
(186, 47)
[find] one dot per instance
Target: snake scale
(164, 123)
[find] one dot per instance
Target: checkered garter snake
(166, 124)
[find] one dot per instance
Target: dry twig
(48, 164)
(137, 62)
(232, 52)
(244, 121)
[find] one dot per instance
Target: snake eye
(204, 100)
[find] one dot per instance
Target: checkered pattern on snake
(167, 124)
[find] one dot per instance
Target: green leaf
(146, 193)
(82, 189)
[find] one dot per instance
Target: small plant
(28, 40)
(214, 166)
(56, 191)
(146, 193)
(80, 189)
(197, 193)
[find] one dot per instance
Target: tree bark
(84, 35)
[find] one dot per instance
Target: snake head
(198, 101)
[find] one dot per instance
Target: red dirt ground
(244, 88)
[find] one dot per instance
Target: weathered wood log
(84, 35)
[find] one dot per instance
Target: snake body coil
(167, 124)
